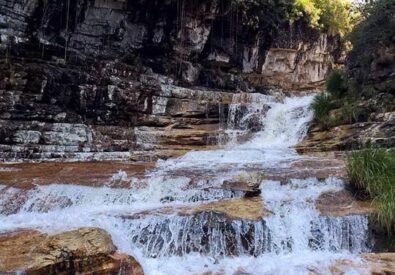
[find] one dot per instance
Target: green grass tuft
(372, 171)
(321, 106)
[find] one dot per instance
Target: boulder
(81, 251)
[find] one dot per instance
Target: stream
(145, 220)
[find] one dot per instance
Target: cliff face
(303, 66)
(129, 79)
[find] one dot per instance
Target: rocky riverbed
(206, 211)
(163, 137)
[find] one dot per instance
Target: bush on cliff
(336, 83)
(321, 106)
(262, 15)
(332, 16)
(335, 106)
(372, 172)
(335, 17)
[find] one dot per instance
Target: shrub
(309, 8)
(322, 105)
(336, 83)
(351, 113)
(332, 16)
(372, 171)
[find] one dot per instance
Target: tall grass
(373, 171)
(322, 105)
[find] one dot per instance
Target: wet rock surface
(381, 263)
(343, 203)
(251, 209)
(241, 200)
(27, 175)
(82, 251)
(372, 263)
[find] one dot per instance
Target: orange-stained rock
(81, 251)
(243, 208)
(342, 203)
(27, 175)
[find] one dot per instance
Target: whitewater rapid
(294, 239)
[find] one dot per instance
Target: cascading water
(294, 238)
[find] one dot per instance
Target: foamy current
(294, 239)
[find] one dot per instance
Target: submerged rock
(81, 251)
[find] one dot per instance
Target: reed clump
(372, 171)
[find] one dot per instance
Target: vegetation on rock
(336, 83)
(373, 41)
(368, 75)
(321, 107)
(333, 16)
(372, 172)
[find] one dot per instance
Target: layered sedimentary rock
(82, 251)
(299, 58)
(81, 79)
(80, 112)
(306, 65)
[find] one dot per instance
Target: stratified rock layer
(88, 78)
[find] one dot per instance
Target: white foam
(269, 264)
(284, 126)
(295, 239)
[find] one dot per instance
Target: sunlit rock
(82, 251)
(343, 204)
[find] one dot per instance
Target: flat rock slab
(25, 175)
(342, 203)
(252, 209)
(81, 251)
(243, 208)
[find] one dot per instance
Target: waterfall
(285, 123)
(143, 219)
(269, 146)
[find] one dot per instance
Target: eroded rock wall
(84, 78)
